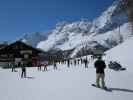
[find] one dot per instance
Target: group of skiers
(22, 65)
(44, 65)
(99, 65)
(76, 62)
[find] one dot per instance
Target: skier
(23, 68)
(92, 57)
(12, 65)
(100, 66)
(75, 62)
(68, 63)
(55, 66)
(86, 62)
(71, 62)
(78, 61)
(39, 65)
(45, 66)
(81, 60)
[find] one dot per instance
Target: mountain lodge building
(19, 51)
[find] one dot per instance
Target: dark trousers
(13, 68)
(45, 68)
(55, 67)
(39, 67)
(86, 66)
(23, 74)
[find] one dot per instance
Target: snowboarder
(100, 66)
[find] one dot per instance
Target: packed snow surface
(72, 83)
(122, 53)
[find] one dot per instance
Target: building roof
(17, 46)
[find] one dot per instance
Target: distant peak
(63, 23)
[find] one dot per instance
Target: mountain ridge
(105, 30)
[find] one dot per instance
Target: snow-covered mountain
(33, 38)
(107, 30)
(110, 19)
(65, 35)
(108, 40)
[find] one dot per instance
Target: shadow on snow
(121, 89)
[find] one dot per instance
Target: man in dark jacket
(100, 66)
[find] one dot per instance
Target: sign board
(26, 52)
(17, 60)
(26, 56)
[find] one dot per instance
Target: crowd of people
(43, 66)
(99, 64)
(76, 61)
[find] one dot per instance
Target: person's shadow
(121, 89)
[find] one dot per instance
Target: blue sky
(23, 16)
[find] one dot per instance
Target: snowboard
(106, 89)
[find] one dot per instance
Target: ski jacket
(100, 66)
